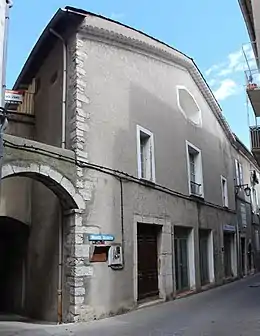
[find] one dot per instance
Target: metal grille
(255, 137)
(195, 188)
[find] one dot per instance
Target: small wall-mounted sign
(13, 97)
(230, 228)
(101, 237)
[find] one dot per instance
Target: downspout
(64, 88)
(63, 143)
(122, 221)
(60, 271)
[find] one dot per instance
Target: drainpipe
(64, 88)
(60, 270)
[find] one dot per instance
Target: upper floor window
(239, 173)
(224, 191)
(188, 106)
(145, 154)
(194, 170)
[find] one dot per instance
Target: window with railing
(194, 170)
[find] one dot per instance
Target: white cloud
(226, 88)
(226, 78)
(235, 62)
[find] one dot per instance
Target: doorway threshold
(149, 302)
(185, 293)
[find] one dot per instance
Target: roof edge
(249, 25)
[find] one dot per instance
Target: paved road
(233, 309)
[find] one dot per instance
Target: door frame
(190, 255)
(164, 252)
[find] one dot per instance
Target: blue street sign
(104, 237)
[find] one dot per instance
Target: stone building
(120, 175)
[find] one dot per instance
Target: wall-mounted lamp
(247, 189)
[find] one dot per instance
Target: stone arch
(51, 178)
(73, 206)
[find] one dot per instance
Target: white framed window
(194, 164)
(239, 173)
(224, 191)
(145, 154)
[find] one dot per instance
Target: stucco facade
(118, 82)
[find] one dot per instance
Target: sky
(211, 32)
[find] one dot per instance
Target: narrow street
(229, 310)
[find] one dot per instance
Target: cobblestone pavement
(233, 309)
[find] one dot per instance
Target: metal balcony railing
(195, 188)
(255, 137)
(252, 79)
(25, 106)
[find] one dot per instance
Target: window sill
(145, 181)
(201, 197)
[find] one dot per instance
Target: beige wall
(15, 201)
(48, 99)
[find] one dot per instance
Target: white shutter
(241, 179)
(237, 172)
(151, 159)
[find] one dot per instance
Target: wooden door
(227, 255)
(147, 261)
(181, 264)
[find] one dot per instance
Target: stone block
(81, 113)
(86, 194)
(80, 172)
(7, 170)
(82, 98)
(83, 271)
(81, 71)
(81, 154)
(44, 170)
(80, 201)
(76, 299)
(75, 282)
(79, 238)
(81, 250)
(78, 220)
(56, 176)
(77, 291)
(19, 169)
(67, 185)
(80, 184)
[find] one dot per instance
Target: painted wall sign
(103, 237)
(230, 228)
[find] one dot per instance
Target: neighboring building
(142, 163)
(4, 16)
(251, 13)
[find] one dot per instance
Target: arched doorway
(13, 247)
(34, 204)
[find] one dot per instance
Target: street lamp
(247, 189)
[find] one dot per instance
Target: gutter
(250, 27)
